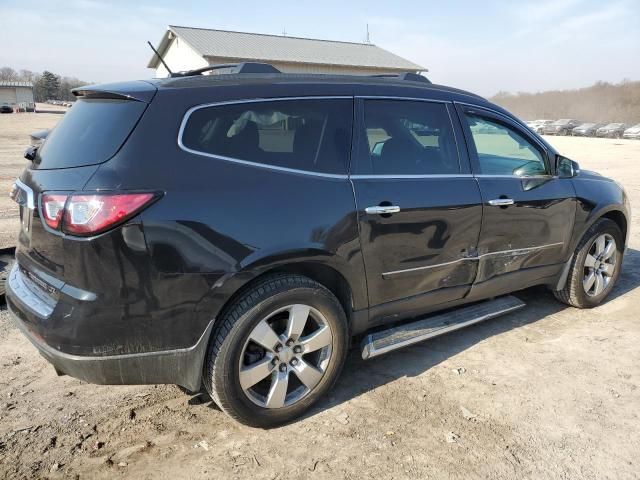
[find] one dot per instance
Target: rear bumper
(179, 366)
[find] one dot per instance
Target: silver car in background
(586, 130)
(632, 132)
(538, 125)
(612, 130)
(564, 126)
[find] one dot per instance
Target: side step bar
(386, 341)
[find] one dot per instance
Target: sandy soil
(14, 139)
(547, 392)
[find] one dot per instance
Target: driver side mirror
(566, 168)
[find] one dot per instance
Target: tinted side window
(503, 151)
(312, 135)
(408, 138)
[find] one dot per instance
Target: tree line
(46, 85)
(602, 102)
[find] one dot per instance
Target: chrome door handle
(382, 209)
(501, 202)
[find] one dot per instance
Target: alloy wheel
(599, 265)
(285, 356)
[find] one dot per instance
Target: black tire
(574, 293)
(222, 365)
(5, 269)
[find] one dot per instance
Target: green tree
(49, 85)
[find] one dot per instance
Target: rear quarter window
(310, 135)
(91, 132)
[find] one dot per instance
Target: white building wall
(180, 56)
(8, 95)
(24, 95)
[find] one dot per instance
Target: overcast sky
(481, 45)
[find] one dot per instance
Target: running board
(386, 341)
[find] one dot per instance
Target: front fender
(597, 197)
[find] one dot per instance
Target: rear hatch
(89, 134)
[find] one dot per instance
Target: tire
(5, 269)
(274, 301)
(575, 291)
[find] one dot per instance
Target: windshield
(613, 125)
(91, 132)
(586, 125)
(562, 121)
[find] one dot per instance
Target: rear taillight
(53, 209)
(89, 214)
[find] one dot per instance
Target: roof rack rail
(244, 67)
(413, 77)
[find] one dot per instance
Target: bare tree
(602, 102)
(8, 74)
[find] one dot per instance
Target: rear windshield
(311, 135)
(91, 132)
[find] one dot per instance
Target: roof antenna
(284, 32)
(368, 37)
(161, 59)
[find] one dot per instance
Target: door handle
(501, 202)
(382, 209)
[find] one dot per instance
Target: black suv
(238, 230)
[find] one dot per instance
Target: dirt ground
(546, 392)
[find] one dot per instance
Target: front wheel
(595, 266)
(276, 350)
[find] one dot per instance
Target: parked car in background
(633, 132)
(538, 125)
(612, 130)
(6, 109)
(244, 269)
(586, 130)
(564, 126)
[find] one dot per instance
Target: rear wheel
(276, 350)
(5, 268)
(595, 266)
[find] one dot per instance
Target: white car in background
(538, 125)
(632, 132)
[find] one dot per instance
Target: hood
(632, 130)
(591, 175)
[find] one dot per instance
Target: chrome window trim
(30, 197)
(519, 177)
(249, 163)
(392, 97)
(445, 92)
(433, 175)
(477, 258)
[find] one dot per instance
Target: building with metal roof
(185, 48)
(16, 93)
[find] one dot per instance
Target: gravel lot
(546, 392)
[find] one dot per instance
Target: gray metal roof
(275, 48)
(7, 83)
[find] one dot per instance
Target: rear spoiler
(139, 91)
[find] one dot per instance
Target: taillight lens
(53, 209)
(89, 214)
